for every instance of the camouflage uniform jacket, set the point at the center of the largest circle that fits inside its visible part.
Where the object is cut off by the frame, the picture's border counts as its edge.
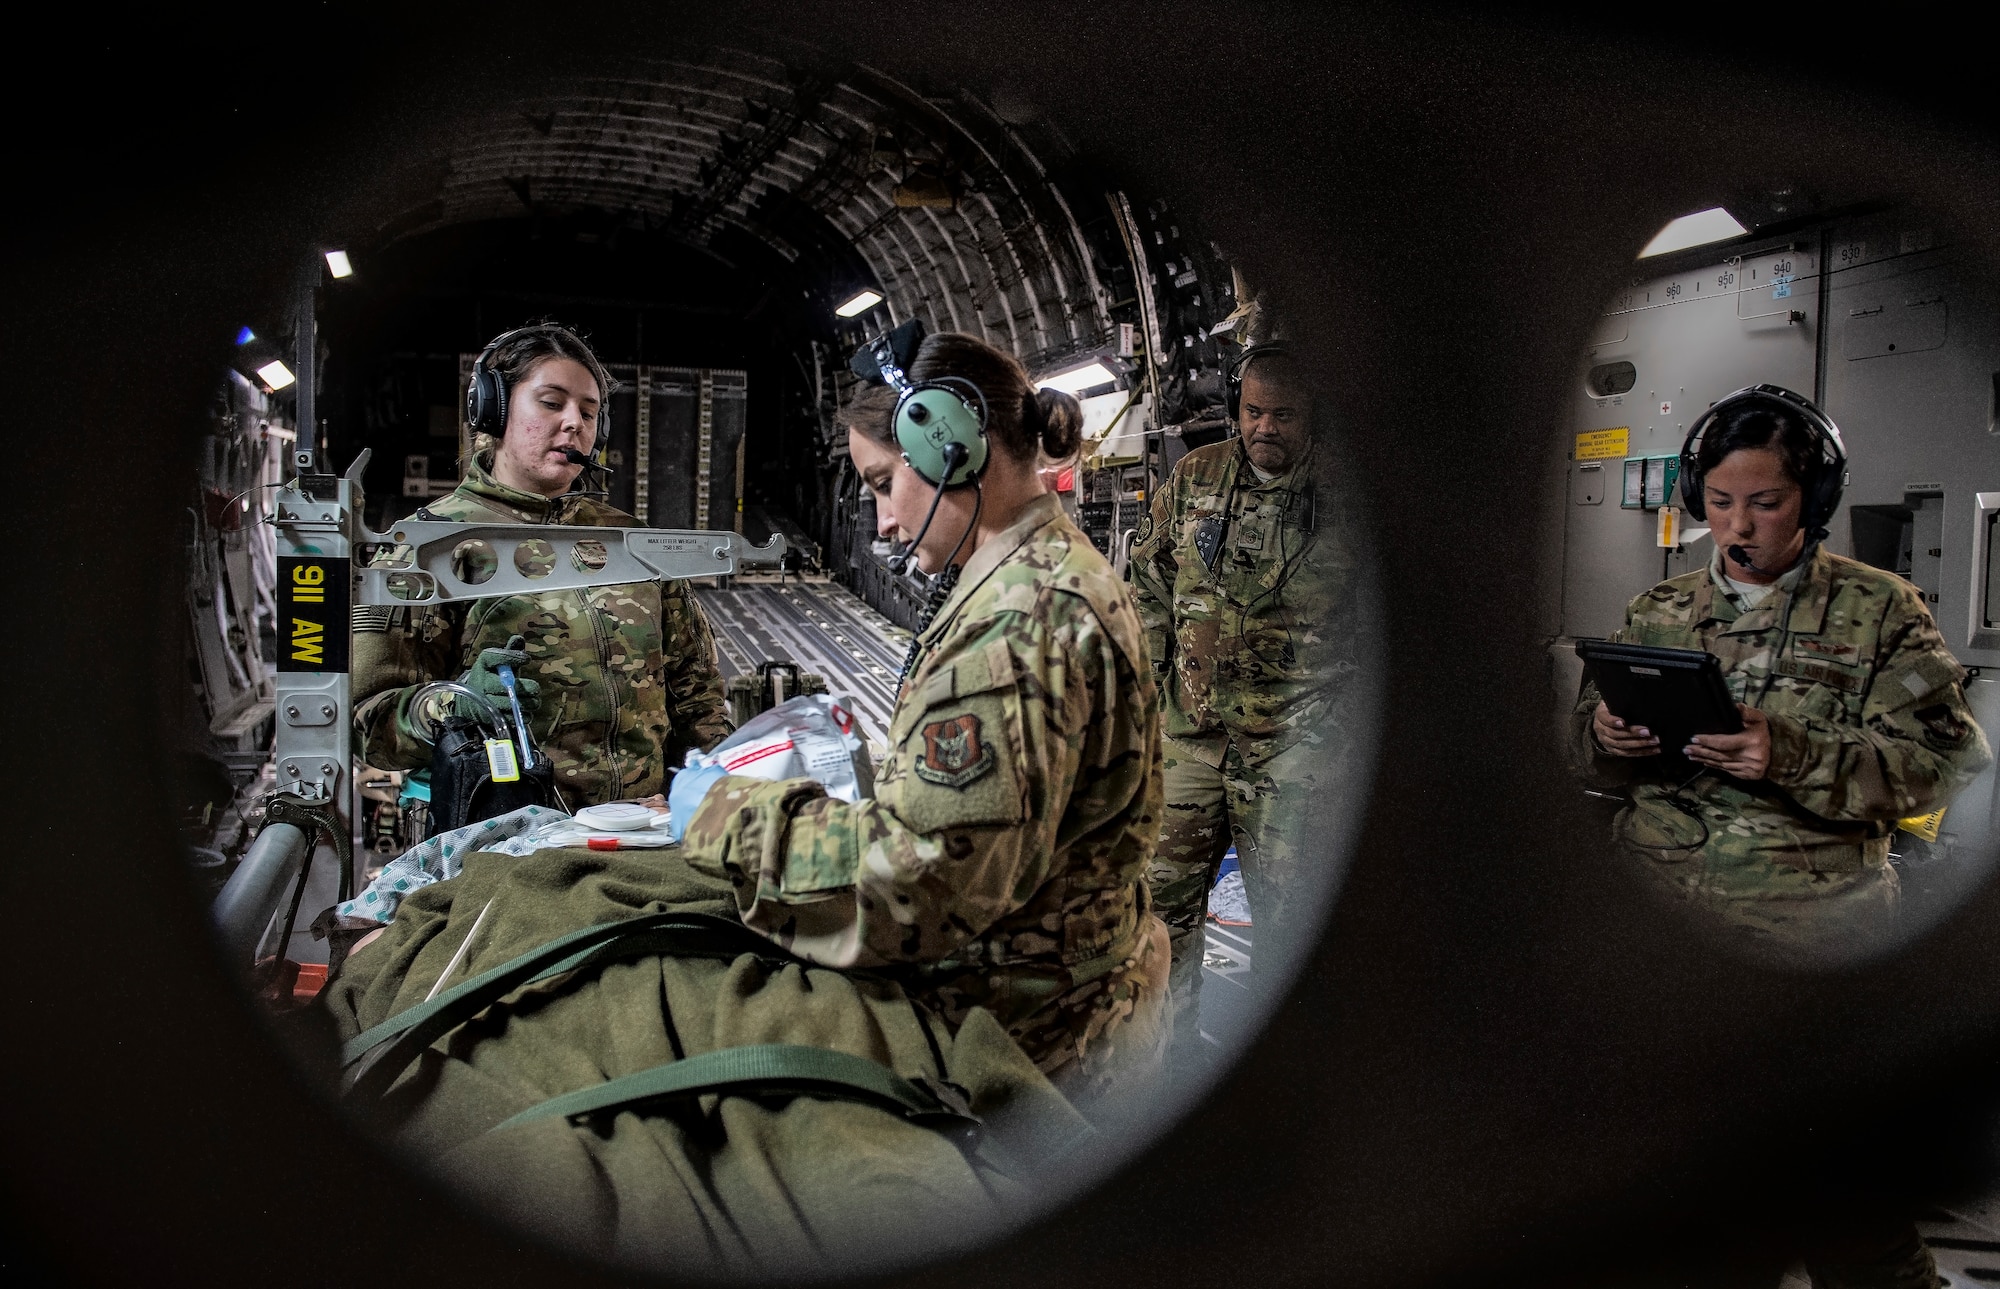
(1868, 725)
(1245, 650)
(1001, 863)
(627, 673)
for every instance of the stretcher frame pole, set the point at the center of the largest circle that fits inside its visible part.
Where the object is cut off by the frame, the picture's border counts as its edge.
(244, 909)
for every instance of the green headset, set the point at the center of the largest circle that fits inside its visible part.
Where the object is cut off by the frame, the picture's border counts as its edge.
(940, 424)
(941, 428)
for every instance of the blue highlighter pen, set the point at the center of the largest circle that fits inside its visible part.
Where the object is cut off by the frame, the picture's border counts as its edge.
(520, 721)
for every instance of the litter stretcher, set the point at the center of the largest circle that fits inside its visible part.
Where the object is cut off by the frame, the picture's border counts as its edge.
(590, 1045)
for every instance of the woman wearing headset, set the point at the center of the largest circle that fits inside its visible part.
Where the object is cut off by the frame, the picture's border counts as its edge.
(616, 681)
(1853, 710)
(1002, 861)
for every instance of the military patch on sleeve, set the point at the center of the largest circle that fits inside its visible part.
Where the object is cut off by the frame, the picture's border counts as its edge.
(954, 752)
(1942, 726)
(1930, 674)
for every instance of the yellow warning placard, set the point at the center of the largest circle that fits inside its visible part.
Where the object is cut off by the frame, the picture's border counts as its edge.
(1602, 445)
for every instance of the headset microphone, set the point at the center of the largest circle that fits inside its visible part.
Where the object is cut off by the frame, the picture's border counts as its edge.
(1742, 557)
(575, 457)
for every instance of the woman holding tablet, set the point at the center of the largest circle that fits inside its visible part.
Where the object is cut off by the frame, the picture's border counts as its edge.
(1853, 711)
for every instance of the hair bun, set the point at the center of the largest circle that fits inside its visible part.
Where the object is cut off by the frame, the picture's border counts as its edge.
(1025, 423)
(1059, 417)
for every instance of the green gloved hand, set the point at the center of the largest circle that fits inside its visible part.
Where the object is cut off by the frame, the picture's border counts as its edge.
(484, 678)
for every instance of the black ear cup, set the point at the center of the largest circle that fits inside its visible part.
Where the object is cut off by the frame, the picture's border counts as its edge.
(1692, 499)
(485, 394)
(1824, 497)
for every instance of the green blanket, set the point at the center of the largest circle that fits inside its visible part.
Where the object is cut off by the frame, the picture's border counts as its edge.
(719, 1184)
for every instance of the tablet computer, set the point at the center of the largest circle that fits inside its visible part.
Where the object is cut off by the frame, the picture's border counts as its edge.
(1675, 693)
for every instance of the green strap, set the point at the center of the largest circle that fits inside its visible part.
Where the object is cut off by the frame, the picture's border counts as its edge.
(377, 1056)
(766, 1068)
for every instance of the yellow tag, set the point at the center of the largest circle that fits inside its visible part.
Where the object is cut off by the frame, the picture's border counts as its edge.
(500, 759)
(1602, 445)
(1670, 527)
(1924, 826)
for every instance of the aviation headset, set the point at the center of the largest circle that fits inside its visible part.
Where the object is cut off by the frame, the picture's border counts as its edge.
(486, 392)
(940, 424)
(1822, 487)
(1232, 379)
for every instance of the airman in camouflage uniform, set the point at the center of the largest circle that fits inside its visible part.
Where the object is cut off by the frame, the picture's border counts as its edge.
(1868, 725)
(627, 673)
(1001, 863)
(1253, 651)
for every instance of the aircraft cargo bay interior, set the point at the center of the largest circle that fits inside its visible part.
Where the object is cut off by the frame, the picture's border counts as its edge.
(794, 658)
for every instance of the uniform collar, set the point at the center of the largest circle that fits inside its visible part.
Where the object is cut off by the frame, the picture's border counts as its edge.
(1283, 480)
(1798, 598)
(1812, 593)
(480, 484)
(1035, 516)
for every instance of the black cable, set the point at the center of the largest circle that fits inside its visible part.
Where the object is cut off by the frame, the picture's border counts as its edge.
(1692, 809)
(1287, 565)
(1784, 640)
(1675, 798)
(942, 583)
(901, 561)
(978, 504)
(941, 588)
(298, 894)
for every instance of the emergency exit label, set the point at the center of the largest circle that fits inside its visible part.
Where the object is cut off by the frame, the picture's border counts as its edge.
(313, 613)
(1602, 445)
